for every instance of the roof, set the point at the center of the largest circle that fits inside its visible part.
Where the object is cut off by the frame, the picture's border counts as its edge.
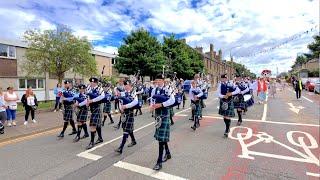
(20, 43)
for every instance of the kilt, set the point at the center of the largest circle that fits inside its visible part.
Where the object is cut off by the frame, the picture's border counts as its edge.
(68, 113)
(171, 112)
(162, 134)
(82, 115)
(107, 107)
(95, 118)
(241, 104)
(230, 111)
(197, 109)
(250, 102)
(128, 124)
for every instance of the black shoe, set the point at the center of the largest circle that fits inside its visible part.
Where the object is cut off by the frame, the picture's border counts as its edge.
(178, 108)
(172, 123)
(76, 139)
(110, 122)
(72, 133)
(157, 167)
(193, 127)
(61, 135)
(225, 134)
(100, 140)
(166, 157)
(135, 114)
(132, 144)
(91, 145)
(140, 114)
(119, 150)
(191, 119)
(85, 136)
(198, 125)
(239, 123)
(102, 123)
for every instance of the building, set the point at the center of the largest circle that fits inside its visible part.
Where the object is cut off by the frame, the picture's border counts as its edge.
(12, 57)
(214, 64)
(303, 70)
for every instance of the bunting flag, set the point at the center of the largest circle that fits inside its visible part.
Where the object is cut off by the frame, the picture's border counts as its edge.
(285, 42)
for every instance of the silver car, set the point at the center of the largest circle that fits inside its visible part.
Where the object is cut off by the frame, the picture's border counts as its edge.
(317, 86)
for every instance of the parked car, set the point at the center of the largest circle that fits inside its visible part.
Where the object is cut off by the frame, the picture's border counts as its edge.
(317, 87)
(309, 86)
(187, 86)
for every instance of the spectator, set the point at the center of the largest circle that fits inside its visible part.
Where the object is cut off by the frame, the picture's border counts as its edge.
(3, 107)
(11, 99)
(58, 92)
(30, 104)
(297, 85)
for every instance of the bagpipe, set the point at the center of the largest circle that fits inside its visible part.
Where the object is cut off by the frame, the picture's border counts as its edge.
(174, 86)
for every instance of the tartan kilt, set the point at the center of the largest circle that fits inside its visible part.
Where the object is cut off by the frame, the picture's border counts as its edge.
(128, 124)
(95, 118)
(162, 134)
(107, 107)
(68, 112)
(197, 110)
(250, 102)
(241, 104)
(229, 112)
(82, 115)
(171, 112)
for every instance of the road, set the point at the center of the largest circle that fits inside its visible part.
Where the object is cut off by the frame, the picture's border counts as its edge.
(278, 140)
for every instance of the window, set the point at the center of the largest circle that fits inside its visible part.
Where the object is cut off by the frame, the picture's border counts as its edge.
(113, 61)
(22, 83)
(33, 83)
(7, 51)
(40, 83)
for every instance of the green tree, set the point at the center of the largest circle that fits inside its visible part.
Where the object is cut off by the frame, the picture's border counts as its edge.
(241, 70)
(314, 47)
(58, 51)
(181, 58)
(142, 52)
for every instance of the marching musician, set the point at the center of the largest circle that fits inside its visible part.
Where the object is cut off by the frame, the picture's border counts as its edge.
(239, 103)
(194, 94)
(96, 95)
(170, 89)
(127, 109)
(162, 133)
(139, 93)
(225, 91)
(107, 103)
(82, 115)
(67, 100)
(118, 91)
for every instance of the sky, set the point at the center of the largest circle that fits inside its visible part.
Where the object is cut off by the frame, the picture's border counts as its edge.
(237, 27)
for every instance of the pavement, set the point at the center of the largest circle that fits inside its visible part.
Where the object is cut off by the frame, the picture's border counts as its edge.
(277, 140)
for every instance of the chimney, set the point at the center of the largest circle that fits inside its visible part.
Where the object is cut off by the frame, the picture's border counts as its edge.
(220, 54)
(211, 52)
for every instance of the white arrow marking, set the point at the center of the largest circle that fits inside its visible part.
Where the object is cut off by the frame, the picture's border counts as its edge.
(294, 108)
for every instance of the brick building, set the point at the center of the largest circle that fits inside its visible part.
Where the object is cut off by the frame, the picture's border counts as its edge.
(12, 56)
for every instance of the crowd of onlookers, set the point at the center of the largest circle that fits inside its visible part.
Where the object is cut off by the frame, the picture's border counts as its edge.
(9, 106)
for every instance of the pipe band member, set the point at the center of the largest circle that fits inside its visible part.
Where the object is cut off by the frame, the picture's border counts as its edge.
(82, 116)
(239, 103)
(225, 92)
(118, 91)
(162, 134)
(130, 100)
(195, 93)
(107, 103)
(139, 93)
(67, 100)
(96, 95)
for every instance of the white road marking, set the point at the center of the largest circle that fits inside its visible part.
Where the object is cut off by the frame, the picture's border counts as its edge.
(265, 109)
(146, 171)
(270, 122)
(183, 115)
(295, 109)
(88, 155)
(313, 174)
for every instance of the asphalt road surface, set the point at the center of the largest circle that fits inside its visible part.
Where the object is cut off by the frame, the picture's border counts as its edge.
(277, 140)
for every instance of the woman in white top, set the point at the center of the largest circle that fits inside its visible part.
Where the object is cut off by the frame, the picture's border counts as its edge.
(30, 103)
(11, 99)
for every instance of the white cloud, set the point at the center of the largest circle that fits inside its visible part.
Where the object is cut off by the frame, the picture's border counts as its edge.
(107, 49)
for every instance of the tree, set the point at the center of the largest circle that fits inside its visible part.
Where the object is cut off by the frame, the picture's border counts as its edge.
(181, 58)
(58, 51)
(241, 70)
(314, 47)
(142, 52)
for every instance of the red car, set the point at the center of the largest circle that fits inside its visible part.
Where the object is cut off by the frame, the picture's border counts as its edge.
(309, 86)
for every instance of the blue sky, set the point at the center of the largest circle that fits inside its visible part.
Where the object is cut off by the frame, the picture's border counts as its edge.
(248, 25)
